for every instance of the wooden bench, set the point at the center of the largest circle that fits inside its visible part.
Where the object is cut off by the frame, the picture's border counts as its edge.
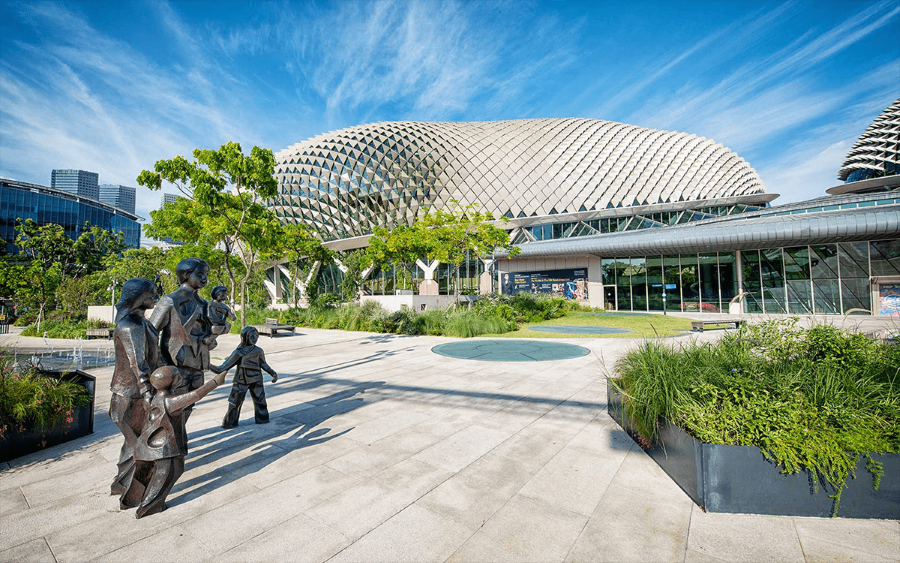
(698, 325)
(272, 326)
(101, 332)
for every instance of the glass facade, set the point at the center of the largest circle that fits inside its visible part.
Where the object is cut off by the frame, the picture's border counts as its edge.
(386, 281)
(47, 207)
(821, 279)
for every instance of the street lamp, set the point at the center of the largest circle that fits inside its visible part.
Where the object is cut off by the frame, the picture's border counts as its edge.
(112, 288)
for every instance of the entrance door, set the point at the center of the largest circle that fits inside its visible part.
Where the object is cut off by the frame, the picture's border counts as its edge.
(609, 297)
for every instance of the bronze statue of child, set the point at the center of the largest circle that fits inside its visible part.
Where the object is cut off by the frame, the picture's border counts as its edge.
(219, 313)
(250, 361)
(162, 445)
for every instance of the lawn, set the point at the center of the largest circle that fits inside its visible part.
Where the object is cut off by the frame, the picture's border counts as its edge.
(644, 326)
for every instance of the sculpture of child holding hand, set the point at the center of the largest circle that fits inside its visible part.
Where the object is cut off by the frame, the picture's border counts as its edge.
(250, 362)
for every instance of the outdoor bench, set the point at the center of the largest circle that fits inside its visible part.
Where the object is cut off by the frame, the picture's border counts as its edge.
(101, 332)
(698, 325)
(272, 326)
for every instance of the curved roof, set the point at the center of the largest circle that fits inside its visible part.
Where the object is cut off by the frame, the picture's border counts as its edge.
(868, 223)
(346, 182)
(877, 151)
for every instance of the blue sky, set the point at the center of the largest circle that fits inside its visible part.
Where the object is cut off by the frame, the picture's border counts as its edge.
(112, 87)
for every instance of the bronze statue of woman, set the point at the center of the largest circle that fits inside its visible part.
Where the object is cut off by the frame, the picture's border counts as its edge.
(137, 355)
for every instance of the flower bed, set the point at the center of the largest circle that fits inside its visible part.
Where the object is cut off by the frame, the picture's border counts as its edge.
(772, 419)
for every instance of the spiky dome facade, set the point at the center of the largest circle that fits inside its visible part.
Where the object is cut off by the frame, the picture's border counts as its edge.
(346, 182)
(877, 151)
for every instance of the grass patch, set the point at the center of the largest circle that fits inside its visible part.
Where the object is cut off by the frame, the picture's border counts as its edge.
(649, 326)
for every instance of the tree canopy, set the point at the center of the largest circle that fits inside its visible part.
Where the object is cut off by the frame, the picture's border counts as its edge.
(226, 186)
(446, 235)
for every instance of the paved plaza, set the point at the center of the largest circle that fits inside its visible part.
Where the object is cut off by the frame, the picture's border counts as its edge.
(381, 450)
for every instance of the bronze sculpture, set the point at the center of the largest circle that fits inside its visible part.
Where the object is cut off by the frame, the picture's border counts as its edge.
(159, 375)
(219, 313)
(250, 362)
(137, 355)
(183, 326)
(162, 445)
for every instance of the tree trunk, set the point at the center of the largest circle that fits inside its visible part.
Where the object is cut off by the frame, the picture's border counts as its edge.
(244, 299)
(230, 270)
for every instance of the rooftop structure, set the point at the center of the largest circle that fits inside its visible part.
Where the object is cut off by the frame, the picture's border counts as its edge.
(385, 174)
(77, 182)
(122, 197)
(877, 151)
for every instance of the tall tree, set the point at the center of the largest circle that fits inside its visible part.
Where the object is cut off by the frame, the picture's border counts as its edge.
(54, 257)
(186, 220)
(400, 247)
(230, 183)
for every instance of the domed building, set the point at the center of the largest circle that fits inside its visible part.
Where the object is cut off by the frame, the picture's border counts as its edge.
(347, 182)
(877, 152)
(623, 217)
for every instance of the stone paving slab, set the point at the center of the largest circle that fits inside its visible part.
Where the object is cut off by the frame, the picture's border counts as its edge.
(380, 450)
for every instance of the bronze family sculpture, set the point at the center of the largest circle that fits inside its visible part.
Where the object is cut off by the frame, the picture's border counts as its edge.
(159, 375)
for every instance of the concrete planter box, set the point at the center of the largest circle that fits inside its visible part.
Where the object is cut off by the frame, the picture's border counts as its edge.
(739, 479)
(16, 443)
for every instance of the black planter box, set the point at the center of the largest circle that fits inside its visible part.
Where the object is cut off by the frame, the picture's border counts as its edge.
(739, 479)
(16, 443)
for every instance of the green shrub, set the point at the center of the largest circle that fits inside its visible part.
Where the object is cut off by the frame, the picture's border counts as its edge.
(371, 317)
(465, 323)
(30, 399)
(812, 399)
(64, 328)
(534, 308)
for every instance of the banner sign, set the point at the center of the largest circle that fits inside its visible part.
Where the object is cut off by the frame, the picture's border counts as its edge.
(890, 300)
(571, 284)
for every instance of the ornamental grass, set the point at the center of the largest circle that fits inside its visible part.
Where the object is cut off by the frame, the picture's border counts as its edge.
(811, 399)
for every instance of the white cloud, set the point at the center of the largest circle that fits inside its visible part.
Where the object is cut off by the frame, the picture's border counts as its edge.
(766, 97)
(89, 101)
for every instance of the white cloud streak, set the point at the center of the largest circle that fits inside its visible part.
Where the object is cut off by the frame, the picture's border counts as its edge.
(92, 102)
(764, 98)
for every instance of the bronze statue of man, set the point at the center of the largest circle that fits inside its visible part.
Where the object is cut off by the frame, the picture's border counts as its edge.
(183, 326)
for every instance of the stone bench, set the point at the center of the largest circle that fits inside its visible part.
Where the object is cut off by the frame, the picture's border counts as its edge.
(101, 332)
(272, 326)
(698, 325)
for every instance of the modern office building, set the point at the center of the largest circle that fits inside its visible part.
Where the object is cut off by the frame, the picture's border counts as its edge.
(625, 217)
(76, 182)
(122, 197)
(167, 198)
(20, 200)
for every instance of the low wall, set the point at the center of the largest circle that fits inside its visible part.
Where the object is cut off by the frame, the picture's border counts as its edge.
(415, 302)
(101, 313)
(107, 313)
